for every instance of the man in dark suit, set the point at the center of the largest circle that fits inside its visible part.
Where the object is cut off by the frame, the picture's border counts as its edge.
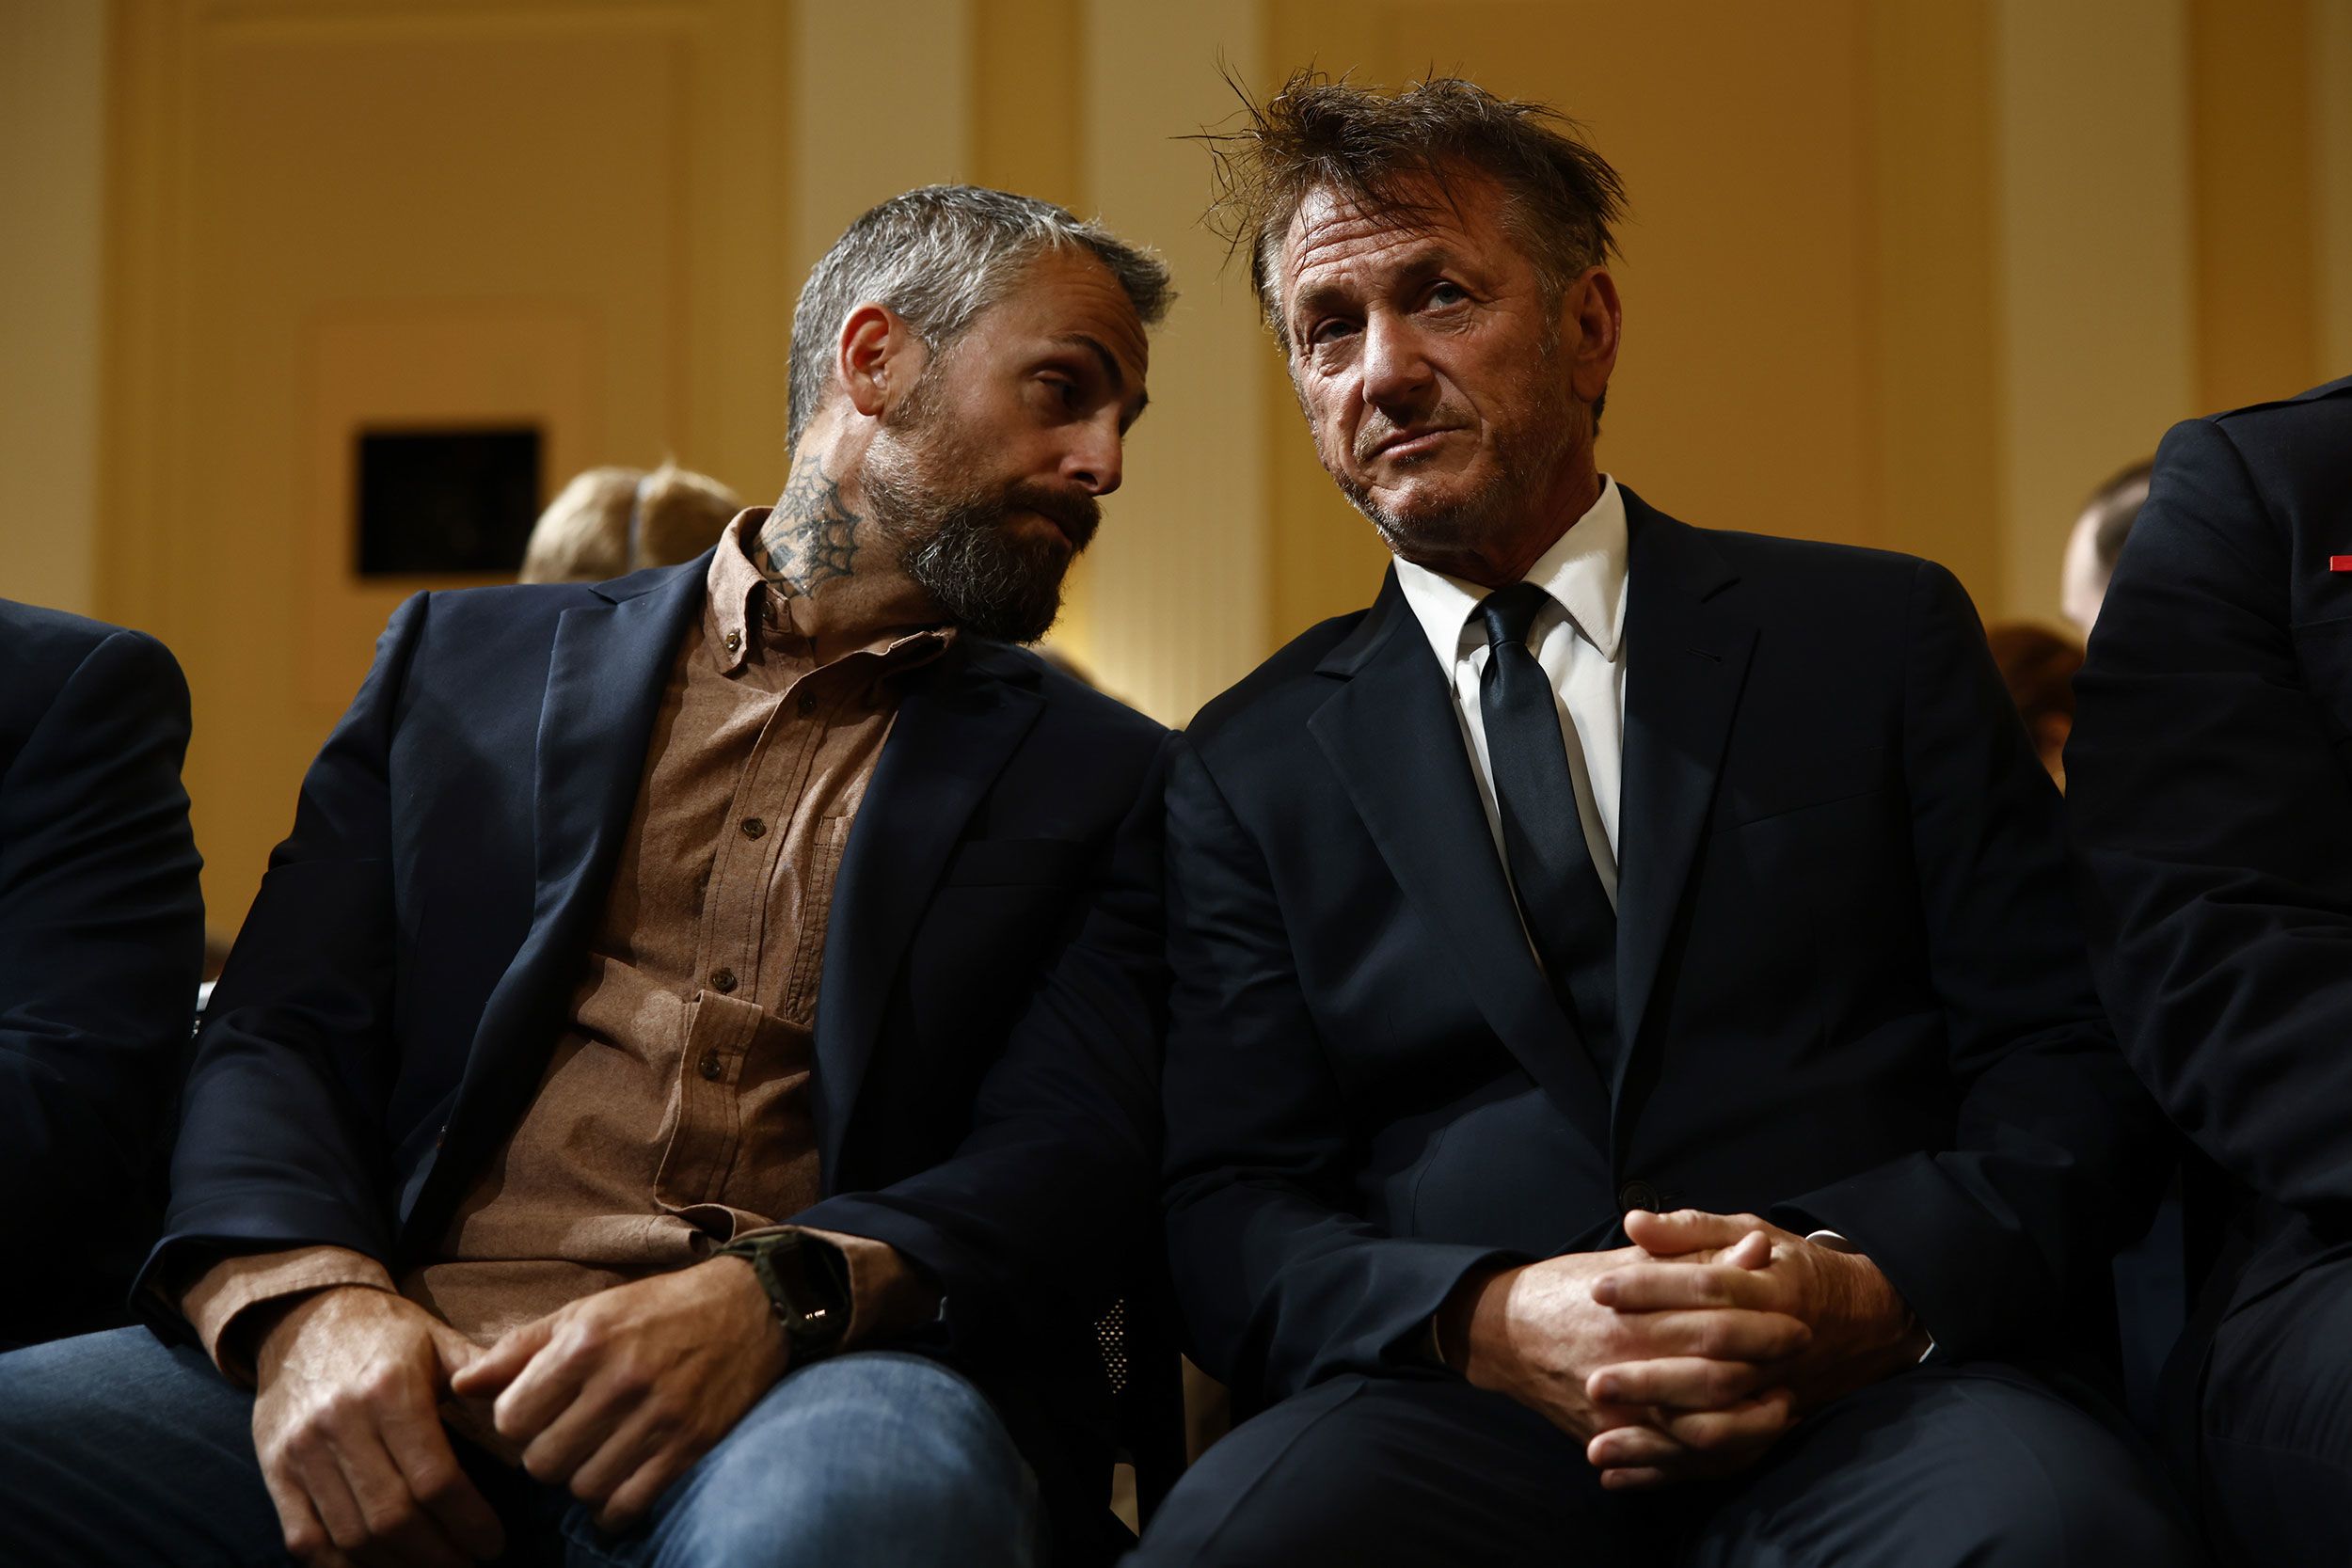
(102, 938)
(1708, 1202)
(699, 1039)
(2211, 792)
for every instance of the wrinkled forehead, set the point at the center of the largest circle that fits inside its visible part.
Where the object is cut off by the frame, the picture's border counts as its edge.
(1069, 295)
(1335, 230)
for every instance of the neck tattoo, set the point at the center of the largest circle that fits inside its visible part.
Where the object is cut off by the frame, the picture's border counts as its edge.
(810, 539)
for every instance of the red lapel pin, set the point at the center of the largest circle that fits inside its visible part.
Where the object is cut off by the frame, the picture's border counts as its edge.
(2340, 563)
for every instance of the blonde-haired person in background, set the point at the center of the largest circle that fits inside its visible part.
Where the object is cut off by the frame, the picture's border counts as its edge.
(609, 522)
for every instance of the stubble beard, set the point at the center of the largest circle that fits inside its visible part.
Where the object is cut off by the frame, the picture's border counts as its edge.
(1528, 452)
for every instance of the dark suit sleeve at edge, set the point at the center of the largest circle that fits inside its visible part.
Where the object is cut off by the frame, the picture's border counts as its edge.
(2213, 825)
(104, 939)
(1281, 1284)
(2058, 1153)
(281, 1141)
(1037, 1217)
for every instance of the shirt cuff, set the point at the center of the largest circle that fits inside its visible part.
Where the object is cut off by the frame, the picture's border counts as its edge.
(225, 1293)
(1837, 1242)
(888, 1295)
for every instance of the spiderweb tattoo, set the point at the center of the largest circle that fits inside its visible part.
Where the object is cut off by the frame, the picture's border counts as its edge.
(811, 537)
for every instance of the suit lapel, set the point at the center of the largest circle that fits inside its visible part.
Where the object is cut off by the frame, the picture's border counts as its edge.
(1391, 734)
(610, 664)
(1688, 648)
(955, 730)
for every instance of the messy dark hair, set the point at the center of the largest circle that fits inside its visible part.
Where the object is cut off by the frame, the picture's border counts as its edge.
(1561, 198)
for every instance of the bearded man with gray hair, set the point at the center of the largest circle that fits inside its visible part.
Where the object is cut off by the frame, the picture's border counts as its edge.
(682, 1085)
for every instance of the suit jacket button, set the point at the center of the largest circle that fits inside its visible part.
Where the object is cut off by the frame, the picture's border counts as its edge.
(1638, 1194)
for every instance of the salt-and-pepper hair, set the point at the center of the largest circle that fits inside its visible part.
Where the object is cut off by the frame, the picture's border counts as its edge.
(936, 258)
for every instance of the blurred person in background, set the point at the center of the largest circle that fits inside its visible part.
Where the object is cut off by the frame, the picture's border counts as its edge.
(609, 522)
(698, 1039)
(1635, 1088)
(2097, 540)
(101, 941)
(2211, 811)
(2038, 666)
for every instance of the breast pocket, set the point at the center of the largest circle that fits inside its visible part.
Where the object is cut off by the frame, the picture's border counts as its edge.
(1012, 862)
(1801, 781)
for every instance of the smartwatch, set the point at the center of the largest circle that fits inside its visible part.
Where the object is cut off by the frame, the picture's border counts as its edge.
(807, 1281)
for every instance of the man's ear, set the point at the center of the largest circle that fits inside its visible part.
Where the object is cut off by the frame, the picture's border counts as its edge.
(1590, 321)
(879, 358)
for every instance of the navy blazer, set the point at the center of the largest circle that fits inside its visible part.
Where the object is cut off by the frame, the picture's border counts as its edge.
(1848, 966)
(988, 1022)
(2210, 786)
(102, 942)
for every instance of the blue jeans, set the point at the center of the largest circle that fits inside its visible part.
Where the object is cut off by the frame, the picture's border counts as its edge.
(115, 1449)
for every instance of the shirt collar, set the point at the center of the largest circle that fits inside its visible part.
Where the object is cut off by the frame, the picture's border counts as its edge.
(1583, 571)
(741, 603)
(735, 587)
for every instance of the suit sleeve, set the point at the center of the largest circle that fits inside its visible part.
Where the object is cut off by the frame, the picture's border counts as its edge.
(2213, 827)
(2057, 1155)
(1282, 1285)
(281, 1141)
(102, 944)
(1038, 1215)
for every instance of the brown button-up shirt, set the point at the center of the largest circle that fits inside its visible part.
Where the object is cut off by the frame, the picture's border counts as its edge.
(674, 1113)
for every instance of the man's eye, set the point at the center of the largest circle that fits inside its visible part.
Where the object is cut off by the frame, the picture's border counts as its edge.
(1447, 293)
(1329, 330)
(1064, 389)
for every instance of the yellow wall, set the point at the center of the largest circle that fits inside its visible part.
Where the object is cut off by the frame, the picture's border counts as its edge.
(52, 57)
(1911, 273)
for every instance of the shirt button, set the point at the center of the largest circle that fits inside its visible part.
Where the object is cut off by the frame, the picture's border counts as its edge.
(1638, 1194)
(808, 704)
(735, 641)
(709, 1066)
(754, 827)
(723, 980)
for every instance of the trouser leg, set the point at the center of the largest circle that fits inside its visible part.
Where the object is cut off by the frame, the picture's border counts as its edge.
(117, 1449)
(1940, 1467)
(2275, 1445)
(875, 1459)
(1378, 1471)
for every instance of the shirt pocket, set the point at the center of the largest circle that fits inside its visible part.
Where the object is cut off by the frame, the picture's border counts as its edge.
(808, 954)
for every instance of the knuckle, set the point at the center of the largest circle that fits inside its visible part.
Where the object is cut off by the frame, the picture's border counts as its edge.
(388, 1517)
(437, 1482)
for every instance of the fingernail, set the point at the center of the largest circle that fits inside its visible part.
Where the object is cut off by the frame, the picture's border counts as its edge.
(1610, 1387)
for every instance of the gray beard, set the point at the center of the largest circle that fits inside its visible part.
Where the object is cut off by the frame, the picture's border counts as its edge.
(1527, 459)
(958, 549)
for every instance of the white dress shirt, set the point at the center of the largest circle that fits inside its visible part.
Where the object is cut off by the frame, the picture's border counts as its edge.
(1579, 639)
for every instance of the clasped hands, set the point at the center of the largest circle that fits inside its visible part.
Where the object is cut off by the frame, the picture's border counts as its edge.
(611, 1397)
(1687, 1354)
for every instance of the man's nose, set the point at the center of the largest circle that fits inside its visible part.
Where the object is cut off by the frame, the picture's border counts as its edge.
(1093, 460)
(1397, 372)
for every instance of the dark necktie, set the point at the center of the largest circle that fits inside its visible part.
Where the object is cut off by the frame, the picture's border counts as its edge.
(1566, 909)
